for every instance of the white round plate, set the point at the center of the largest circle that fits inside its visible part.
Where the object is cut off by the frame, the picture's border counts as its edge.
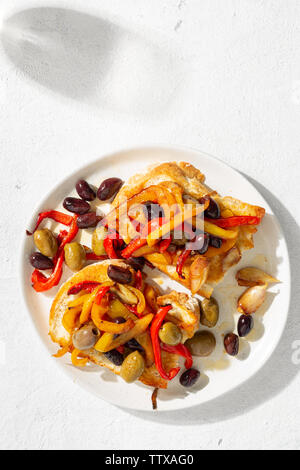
(219, 373)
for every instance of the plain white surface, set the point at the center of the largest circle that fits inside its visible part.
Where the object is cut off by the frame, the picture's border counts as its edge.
(219, 75)
(220, 373)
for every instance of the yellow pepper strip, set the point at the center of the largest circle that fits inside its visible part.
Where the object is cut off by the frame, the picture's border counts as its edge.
(151, 296)
(87, 306)
(140, 326)
(218, 231)
(76, 361)
(115, 328)
(144, 250)
(70, 318)
(160, 258)
(141, 305)
(98, 311)
(104, 342)
(79, 301)
(226, 213)
(145, 340)
(62, 351)
(226, 246)
(117, 309)
(161, 231)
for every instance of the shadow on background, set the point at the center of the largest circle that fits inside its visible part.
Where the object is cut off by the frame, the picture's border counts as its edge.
(90, 59)
(278, 372)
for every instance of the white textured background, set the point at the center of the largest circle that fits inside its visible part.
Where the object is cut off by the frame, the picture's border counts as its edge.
(219, 75)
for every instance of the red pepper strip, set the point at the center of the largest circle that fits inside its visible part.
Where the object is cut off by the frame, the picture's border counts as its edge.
(108, 244)
(90, 256)
(180, 262)
(132, 309)
(235, 221)
(121, 349)
(133, 246)
(100, 294)
(138, 280)
(86, 285)
(164, 244)
(154, 329)
(142, 241)
(60, 217)
(62, 234)
(40, 282)
(181, 350)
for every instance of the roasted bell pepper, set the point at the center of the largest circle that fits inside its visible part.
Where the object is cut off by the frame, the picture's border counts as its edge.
(91, 256)
(57, 216)
(86, 285)
(138, 280)
(101, 293)
(235, 221)
(133, 309)
(108, 244)
(40, 282)
(133, 246)
(217, 231)
(181, 350)
(138, 242)
(180, 262)
(112, 242)
(154, 329)
(164, 244)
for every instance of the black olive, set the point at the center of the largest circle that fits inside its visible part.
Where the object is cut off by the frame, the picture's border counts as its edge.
(119, 274)
(85, 191)
(189, 377)
(133, 344)
(137, 263)
(231, 343)
(245, 325)
(39, 261)
(115, 357)
(90, 219)
(215, 241)
(213, 210)
(108, 188)
(73, 204)
(153, 210)
(201, 240)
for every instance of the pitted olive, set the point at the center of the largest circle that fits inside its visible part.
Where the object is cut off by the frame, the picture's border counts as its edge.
(74, 256)
(202, 344)
(45, 242)
(209, 312)
(170, 334)
(86, 337)
(98, 237)
(132, 367)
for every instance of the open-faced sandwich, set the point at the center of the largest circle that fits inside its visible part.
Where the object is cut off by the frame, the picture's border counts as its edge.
(107, 314)
(185, 229)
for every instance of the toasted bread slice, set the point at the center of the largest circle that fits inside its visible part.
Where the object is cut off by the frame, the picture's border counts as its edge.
(191, 182)
(58, 334)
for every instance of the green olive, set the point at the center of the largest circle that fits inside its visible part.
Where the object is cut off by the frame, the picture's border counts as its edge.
(132, 367)
(202, 344)
(170, 334)
(45, 242)
(209, 312)
(75, 256)
(86, 337)
(98, 237)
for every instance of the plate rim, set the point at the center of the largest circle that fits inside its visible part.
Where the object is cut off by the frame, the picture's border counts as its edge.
(154, 147)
